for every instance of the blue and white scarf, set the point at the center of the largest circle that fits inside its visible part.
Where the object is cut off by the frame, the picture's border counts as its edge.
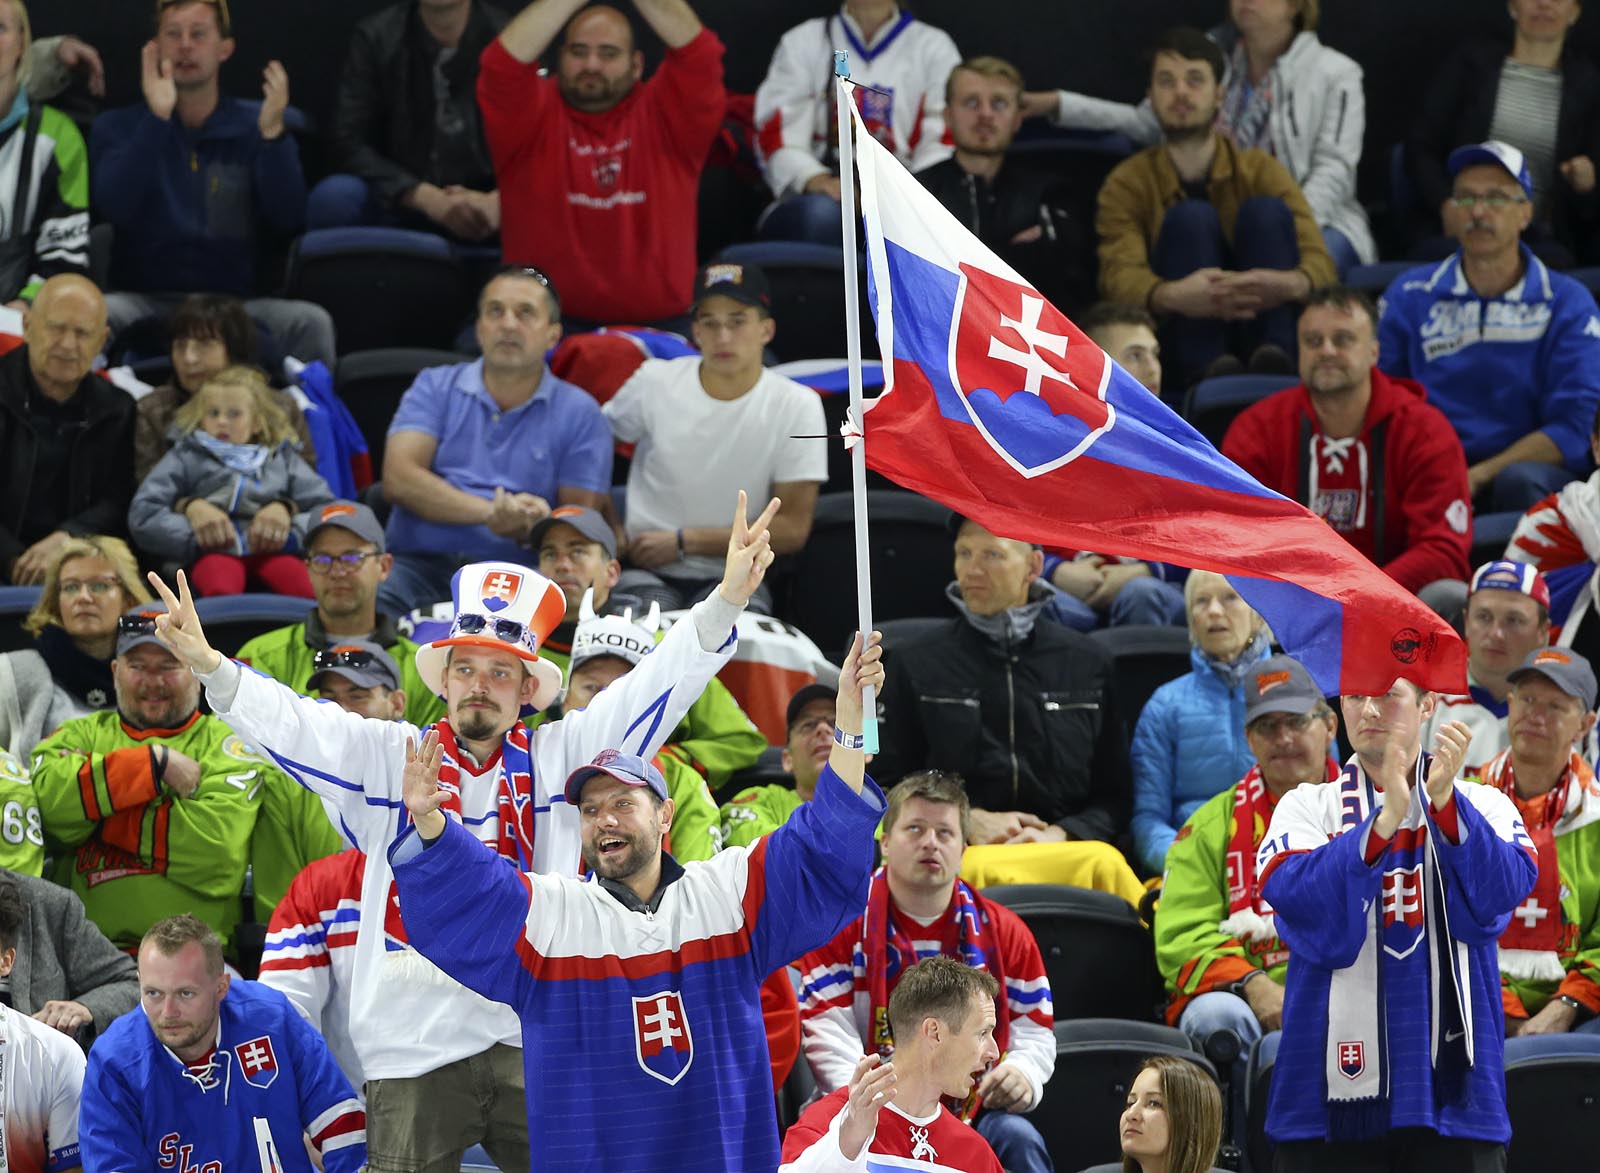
(245, 459)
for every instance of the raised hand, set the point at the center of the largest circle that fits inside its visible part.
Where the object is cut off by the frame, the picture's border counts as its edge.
(179, 629)
(155, 78)
(862, 669)
(871, 1087)
(274, 99)
(1395, 778)
(82, 57)
(749, 552)
(420, 785)
(1449, 752)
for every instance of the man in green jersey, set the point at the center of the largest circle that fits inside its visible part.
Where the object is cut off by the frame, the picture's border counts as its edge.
(760, 810)
(345, 554)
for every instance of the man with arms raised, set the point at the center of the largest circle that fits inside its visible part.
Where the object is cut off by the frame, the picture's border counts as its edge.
(505, 783)
(642, 985)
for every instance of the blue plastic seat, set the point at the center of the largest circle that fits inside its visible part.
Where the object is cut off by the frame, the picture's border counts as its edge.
(384, 286)
(1212, 404)
(231, 621)
(807, 283)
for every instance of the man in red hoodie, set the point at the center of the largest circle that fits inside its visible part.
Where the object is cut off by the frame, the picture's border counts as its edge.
(1361, 450)
(599, 173)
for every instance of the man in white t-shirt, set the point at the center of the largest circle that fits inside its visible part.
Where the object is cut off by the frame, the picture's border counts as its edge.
(706, 427)
(41, 1073)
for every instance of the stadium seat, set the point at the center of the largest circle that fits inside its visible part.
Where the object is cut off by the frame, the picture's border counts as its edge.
(1258, 1083)
(477, 1160)
(1553, 1097)
(807, 297)
(1096, 1062)
(1374, 279)
(1143, 658)
(1100, 959)
(371, 382)
(1212, 403)
(1490, 533)
(233, 620)
(766, 770)
(15, 603)
(911, 563)
(382, 285)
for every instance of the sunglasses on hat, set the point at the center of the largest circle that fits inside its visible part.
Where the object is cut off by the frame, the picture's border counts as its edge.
(358, 659)
(508, 630)
(136, 624)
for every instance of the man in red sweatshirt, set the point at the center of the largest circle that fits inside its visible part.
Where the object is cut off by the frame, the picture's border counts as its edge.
(598, 171)
(1361, 450)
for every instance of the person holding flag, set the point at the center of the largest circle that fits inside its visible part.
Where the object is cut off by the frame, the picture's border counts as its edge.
(502, 780)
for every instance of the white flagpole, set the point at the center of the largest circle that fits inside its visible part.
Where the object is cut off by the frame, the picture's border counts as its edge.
(852, 333)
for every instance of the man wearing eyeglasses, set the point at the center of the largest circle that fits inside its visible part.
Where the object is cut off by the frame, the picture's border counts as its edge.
(443, 1066)
(345, 553)
(1508, 350)
(1215, 942)
(1507, 617)
(479, 452)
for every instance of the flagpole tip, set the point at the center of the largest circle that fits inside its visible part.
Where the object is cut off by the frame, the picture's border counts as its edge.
(841, 63)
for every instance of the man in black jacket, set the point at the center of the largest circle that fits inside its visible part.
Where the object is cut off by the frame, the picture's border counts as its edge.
(66, 435)
(1022, 708)
(406, 131)
(1015, 209)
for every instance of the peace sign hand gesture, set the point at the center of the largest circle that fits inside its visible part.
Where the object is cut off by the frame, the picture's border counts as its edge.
(179, 629)
(749, 552)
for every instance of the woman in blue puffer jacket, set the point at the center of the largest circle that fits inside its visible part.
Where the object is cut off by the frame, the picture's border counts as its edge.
(1189, 744)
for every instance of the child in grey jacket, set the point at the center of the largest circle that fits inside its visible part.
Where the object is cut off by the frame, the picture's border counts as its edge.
(224, 499)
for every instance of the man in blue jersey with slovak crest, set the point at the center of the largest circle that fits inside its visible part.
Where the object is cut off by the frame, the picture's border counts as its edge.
(642, 984)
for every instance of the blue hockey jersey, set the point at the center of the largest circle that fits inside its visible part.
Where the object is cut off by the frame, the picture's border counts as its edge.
(658, 1013)
(144, 1111)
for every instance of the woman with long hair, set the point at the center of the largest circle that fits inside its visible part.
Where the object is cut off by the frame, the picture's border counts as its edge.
(1173, 1121)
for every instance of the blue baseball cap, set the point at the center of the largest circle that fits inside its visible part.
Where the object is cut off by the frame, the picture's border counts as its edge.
(1497, 153)
(624, 767)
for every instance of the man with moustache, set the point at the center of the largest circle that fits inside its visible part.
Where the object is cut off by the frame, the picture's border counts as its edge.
(454, 1077)
(919, 907)
(1216, 240)
(479, 452)
(1390, 886)
(153, 803)
(1365, 452)
(641, 986)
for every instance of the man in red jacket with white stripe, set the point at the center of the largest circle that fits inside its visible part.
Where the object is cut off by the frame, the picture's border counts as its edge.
(1363, 451)
(599, 173)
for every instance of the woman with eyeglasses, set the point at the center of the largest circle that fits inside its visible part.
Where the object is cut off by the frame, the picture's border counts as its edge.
(1189, 743)
(1538, 97)
(67, 673)
(1173, 1119)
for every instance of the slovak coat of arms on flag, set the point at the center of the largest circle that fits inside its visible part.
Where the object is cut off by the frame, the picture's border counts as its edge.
(257, 1063)
(662, 1040)
(499, 590)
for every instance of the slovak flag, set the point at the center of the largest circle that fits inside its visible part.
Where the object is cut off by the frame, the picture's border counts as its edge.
(999, 407)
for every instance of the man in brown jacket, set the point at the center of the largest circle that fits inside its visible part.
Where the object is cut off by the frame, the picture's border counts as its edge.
(1215, 240)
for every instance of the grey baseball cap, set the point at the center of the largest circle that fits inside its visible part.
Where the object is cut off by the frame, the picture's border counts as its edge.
(360, 661)
(137, 625)
(586, 521)
(1279, 684)
(1562, 667)
(347, 515)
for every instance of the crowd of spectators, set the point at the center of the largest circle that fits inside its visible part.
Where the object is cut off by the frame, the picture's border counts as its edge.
(140, 821)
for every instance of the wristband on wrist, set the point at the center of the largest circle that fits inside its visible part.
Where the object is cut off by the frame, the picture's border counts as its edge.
(1583, 1012)
(1238, 986)
(680, 543)
(849, 740)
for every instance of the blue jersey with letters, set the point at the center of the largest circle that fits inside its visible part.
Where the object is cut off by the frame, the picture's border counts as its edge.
(271, 1078)
(660, 1011)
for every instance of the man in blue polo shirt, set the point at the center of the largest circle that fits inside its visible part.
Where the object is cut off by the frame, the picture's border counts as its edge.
(479, 453)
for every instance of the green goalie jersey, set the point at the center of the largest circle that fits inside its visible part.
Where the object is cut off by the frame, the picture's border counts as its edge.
(21, 836)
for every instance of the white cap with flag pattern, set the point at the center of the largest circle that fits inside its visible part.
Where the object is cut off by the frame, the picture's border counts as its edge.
(505, 607)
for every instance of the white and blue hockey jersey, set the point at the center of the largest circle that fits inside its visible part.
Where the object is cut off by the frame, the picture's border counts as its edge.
(271, 1079)
(660, 1011)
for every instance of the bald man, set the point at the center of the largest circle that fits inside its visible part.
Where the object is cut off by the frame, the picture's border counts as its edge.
(599, 171)
(66, 436)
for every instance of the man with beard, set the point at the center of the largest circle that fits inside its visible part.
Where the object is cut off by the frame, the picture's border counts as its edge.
(1365, 452)
(454, 1076)
(344, 552)
(1215, 239)
(919, 907)
(152, 804)
(1507, 349)
(642, 985)
(599, 172)
(478, 453)
(214, 1074)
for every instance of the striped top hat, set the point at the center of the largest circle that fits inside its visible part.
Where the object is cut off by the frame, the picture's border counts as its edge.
(508, 608)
